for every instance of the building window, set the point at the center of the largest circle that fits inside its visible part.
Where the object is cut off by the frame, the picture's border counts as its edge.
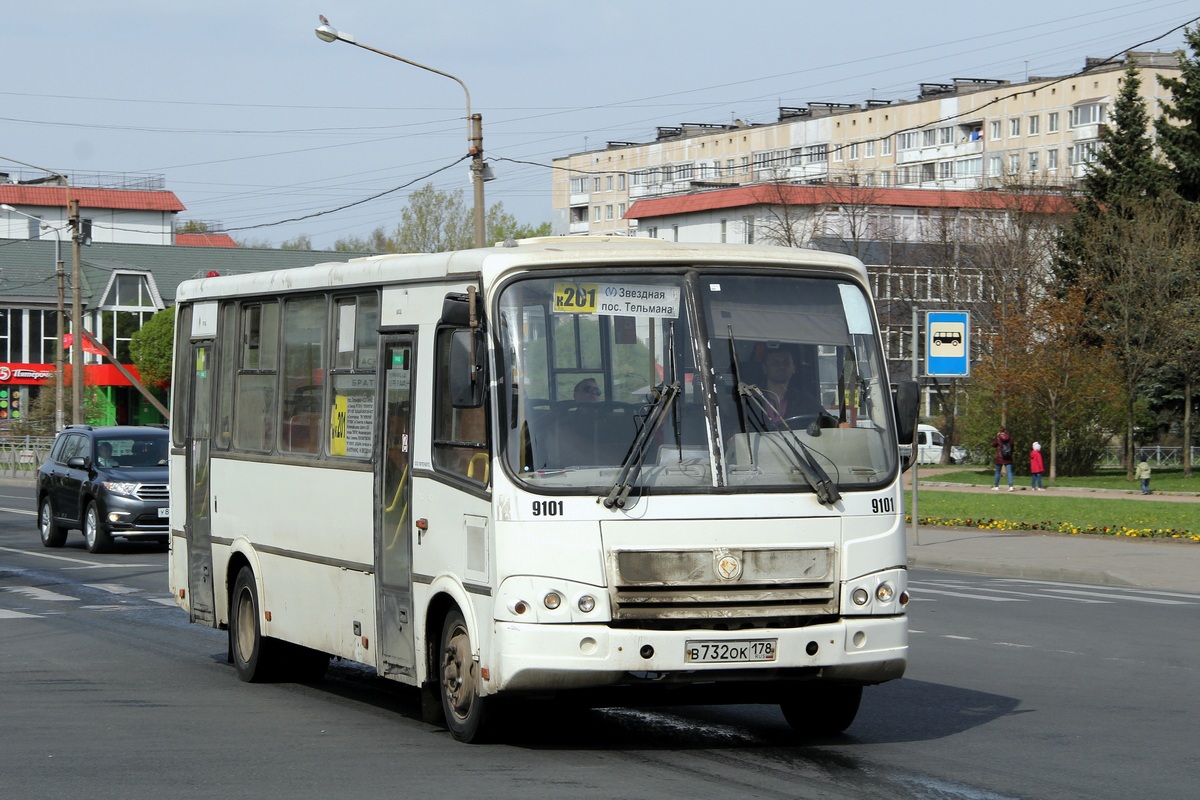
(748, 230)
(621, 182)
(595, 184)
(744, 165)
(724, 227)
(928, 138)
(945, 170)
(854, 150)
(1033, 161)
(621, 210)
(1083, 152)
(887, 146)
(994, 168)
(869, 148)
(907, 140)
(969, 167)
(608, 211)
(1034, 125)
(994, 127)
(946, 135)
(1014, 163)
(1087, 114)
(595, 213)
(838, 150)
(816, 154)
(652, 232)
(1052, 159)
(1052, 122)
(578, 185)
(1014, 126)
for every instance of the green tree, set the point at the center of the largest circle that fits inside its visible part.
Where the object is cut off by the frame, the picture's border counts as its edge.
(301, 242)
(1179, 126)
(1125, 168)
(151, 346)
(434, 221)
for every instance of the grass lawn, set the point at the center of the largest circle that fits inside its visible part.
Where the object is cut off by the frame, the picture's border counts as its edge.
(1125, 516)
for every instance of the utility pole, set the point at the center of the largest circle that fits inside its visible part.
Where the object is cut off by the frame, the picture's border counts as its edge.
(76, 313)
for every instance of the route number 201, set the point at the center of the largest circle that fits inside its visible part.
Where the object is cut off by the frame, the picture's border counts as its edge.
(883, 505)
(547, 508)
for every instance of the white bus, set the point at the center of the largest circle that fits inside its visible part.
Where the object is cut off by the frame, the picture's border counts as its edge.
(605, 466)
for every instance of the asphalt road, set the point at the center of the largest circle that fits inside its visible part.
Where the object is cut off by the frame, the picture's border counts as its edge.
(1016, 688)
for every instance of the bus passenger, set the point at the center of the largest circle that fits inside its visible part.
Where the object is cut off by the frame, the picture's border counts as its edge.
(587, 391)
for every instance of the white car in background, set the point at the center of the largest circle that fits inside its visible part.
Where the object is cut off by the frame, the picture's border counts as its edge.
(930, 442)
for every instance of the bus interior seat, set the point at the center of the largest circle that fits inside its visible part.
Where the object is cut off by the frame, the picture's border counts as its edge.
(592, 434)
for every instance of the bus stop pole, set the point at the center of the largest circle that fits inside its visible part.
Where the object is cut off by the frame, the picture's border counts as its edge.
(915, 448)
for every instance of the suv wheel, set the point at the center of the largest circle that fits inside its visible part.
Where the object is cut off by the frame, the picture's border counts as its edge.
(52, 535)
(97, 539)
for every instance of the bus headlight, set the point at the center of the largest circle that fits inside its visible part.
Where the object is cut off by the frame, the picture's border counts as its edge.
(860, 596)
(587, 603)
(552, 600)
(539, 600)
(884, 593)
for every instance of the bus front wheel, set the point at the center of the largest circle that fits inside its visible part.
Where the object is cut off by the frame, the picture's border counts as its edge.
(465, 710)
(254, 655)
(822, 709)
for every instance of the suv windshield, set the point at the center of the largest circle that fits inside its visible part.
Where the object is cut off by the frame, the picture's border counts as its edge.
(131, 452)
(774, 379)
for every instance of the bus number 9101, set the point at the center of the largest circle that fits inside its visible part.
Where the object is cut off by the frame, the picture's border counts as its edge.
(547, 508)
(883, 505)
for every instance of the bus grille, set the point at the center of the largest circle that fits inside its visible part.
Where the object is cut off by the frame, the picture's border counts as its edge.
(722, 583)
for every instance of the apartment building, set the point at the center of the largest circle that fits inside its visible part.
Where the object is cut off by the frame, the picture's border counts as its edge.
(970, 134)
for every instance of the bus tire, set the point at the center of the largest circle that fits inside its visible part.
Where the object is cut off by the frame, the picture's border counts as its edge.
(94, 535)
(465, 710)
(255, 657)
(822, 709)
(52, 534)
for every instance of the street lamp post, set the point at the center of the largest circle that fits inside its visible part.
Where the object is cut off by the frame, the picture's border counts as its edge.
(58, 339)
(479, 169)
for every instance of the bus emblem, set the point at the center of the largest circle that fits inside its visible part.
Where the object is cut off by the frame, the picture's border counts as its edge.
(729, 567)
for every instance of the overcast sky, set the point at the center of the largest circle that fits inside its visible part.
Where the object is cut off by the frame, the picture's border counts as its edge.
(251, 120)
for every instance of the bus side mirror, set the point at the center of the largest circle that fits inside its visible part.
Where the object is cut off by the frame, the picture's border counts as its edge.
(466, 368)
(906, 402)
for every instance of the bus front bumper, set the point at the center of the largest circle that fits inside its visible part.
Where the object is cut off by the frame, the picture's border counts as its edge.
(550, 657)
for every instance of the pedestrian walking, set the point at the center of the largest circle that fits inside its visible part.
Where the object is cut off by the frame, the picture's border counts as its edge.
(1143, 475)
(1004, 457)
(1036, 467)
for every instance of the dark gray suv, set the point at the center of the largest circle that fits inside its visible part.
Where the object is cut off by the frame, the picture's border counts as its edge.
(107, 482)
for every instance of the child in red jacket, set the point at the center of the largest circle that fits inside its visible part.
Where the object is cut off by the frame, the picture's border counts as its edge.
(1036, 467)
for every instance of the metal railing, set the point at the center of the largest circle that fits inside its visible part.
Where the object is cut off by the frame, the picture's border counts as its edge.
(1156, 456)
(20, 456)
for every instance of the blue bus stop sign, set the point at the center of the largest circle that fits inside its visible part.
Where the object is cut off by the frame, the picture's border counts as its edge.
(947, 344)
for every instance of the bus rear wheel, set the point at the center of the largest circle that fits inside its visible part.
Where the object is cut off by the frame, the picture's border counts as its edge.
(821, 709)
(254, 656)
(465, 710)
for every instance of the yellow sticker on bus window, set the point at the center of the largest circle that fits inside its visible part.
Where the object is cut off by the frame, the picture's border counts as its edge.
(337, 442)
(575, 298)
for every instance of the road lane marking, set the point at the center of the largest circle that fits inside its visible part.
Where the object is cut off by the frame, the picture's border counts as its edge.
(1129, 597)
(19, 511)
(6, 614)
(37, 593)
(1021, 594)
(112, 588)
(1123, 590)
(84, 564)
(974, 596)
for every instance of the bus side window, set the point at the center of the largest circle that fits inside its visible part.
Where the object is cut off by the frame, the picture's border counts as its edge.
(460, 436)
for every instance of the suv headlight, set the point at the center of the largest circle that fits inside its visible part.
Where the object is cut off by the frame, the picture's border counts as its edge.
(121, 487)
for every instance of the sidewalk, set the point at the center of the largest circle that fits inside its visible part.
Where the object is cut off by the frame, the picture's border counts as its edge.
(1159, 564)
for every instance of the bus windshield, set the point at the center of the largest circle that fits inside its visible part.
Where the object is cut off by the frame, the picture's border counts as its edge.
(763, 381)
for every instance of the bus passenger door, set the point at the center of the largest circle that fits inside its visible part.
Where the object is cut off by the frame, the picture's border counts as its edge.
(393, 540)
(199, 527)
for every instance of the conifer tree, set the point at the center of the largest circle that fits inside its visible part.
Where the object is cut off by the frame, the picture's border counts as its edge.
(1179, 126)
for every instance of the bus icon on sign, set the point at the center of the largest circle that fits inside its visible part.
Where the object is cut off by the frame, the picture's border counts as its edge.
(952, 338)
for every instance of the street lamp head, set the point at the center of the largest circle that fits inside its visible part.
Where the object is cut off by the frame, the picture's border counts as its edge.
(7, 207)
(327, 33)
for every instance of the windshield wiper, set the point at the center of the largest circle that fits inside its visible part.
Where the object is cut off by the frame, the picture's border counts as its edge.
(817, 477)
(631, 467)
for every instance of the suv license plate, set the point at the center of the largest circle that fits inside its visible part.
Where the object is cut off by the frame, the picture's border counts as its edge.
(743, 650)
(164, 513)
